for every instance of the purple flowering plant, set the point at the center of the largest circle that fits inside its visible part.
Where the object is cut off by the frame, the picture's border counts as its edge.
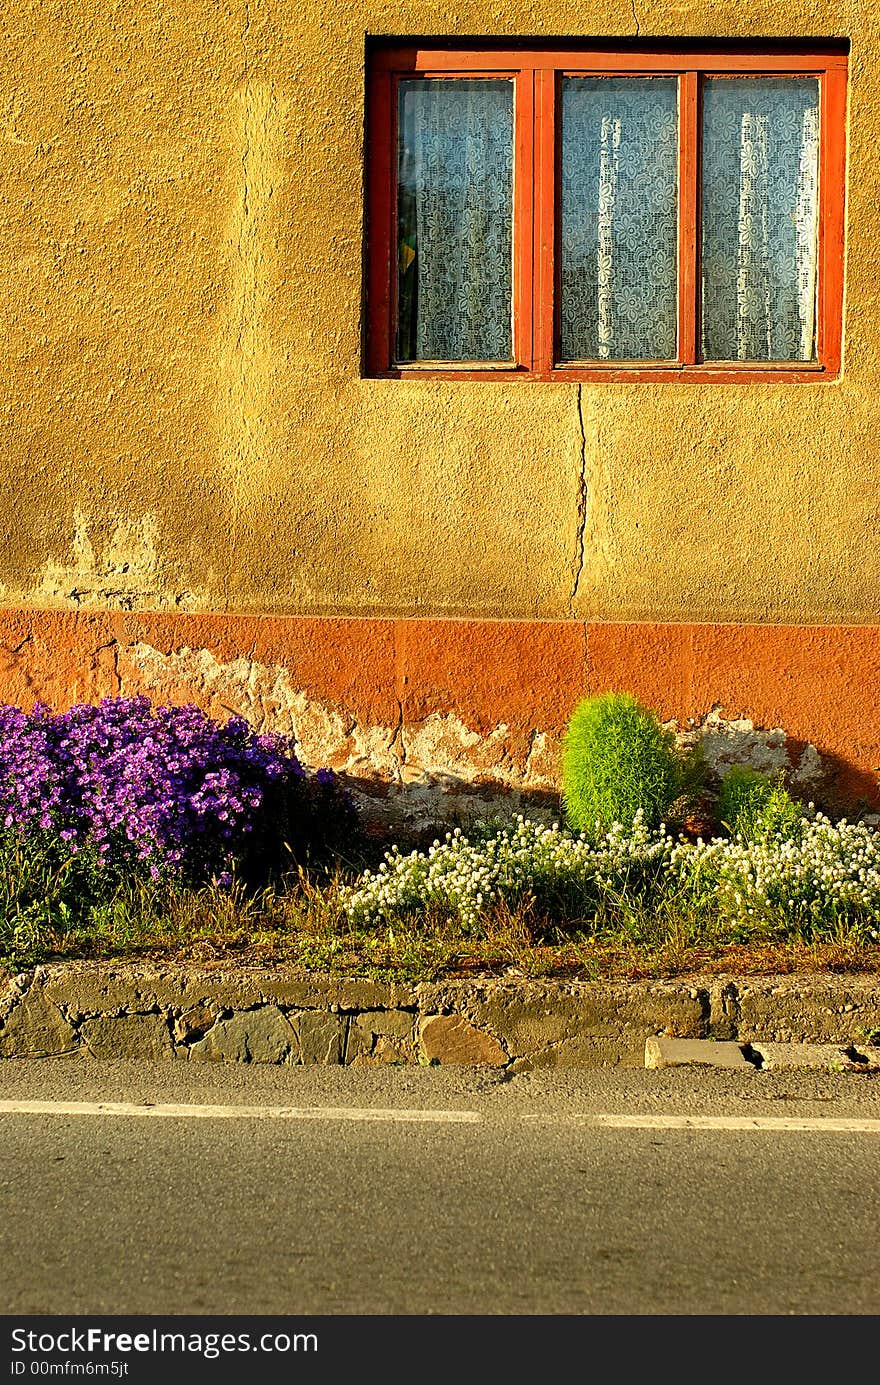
(164, 791)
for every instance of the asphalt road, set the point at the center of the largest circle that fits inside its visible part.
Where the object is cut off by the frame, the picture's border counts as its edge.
(436, 1192)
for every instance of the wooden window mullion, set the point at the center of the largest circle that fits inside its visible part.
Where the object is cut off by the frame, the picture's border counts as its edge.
(524, 219)
(688, 226)
(545, 219)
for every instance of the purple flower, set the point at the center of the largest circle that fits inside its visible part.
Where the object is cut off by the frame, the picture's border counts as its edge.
(166, 786)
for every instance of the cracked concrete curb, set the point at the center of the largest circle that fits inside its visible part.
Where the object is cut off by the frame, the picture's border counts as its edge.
(176, 1012)
(662, 1052)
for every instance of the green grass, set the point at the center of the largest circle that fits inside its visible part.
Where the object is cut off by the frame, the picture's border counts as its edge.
(300, 924)
(54, 910)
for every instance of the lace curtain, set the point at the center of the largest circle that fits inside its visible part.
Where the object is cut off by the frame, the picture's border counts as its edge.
(455, 213)
(619, 218)
(760, 206)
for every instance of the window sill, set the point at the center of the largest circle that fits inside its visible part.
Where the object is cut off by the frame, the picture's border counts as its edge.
(717, 373)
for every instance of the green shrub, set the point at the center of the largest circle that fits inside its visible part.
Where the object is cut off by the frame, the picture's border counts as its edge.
(618, 759)
(756, 806)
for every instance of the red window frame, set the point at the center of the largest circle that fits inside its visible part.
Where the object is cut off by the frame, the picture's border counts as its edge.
(536, 73)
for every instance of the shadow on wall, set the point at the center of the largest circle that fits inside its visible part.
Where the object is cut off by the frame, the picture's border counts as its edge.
(834, 785)
(416, 812)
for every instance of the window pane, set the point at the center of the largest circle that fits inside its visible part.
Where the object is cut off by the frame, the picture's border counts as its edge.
(455, 212)
(760, 209)
(619, 218)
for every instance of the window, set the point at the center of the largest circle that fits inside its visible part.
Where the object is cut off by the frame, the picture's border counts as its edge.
(606, 214)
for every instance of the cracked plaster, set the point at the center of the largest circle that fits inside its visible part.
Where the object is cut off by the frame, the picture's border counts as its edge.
(439, 754)
(114, 563)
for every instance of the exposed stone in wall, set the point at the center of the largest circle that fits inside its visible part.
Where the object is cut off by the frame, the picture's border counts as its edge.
(413, 774)
(423, 772)
(737, 741)
(378, 1037)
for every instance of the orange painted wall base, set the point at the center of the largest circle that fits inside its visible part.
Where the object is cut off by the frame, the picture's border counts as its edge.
(417, 711)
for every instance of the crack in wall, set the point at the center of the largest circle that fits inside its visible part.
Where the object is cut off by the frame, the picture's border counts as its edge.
(396, 742)
(582, 504)
(632, 5)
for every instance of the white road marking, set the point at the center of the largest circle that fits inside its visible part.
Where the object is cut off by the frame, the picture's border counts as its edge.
(821, 1125)
(131, 1108)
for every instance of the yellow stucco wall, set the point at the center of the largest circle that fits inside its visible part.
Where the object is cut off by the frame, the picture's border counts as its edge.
(184, 421)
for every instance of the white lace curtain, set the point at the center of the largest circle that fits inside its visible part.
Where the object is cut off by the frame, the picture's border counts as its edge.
(455, 217)
(759, 218)
(619, 214)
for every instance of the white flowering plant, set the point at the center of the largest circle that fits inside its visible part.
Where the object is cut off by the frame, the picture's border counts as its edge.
(521, 863)
(827, 878)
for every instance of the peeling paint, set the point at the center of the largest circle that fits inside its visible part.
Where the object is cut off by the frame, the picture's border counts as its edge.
(267, 697)
(737, 741)
(436, 766)
(114, 564)
(424, 770)
(809, 772)
(438, 721)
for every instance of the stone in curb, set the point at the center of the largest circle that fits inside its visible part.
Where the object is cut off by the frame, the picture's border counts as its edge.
(451, 1039)
(320, 1036)
(127, 1036)
(792, 1009)
(194, 1023)
(661, 1052)
(723, 1010)
(589, 1050)
(530, 1017)
(253, 1036)
(12, 988)
(36, 1029)
(381, 1036)
(820, 1057)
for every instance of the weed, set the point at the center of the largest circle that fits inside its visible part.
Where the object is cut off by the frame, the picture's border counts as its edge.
(618, 760)
(757, 806)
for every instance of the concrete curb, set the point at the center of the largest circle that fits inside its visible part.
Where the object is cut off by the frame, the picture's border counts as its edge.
(662, 1052)
(272, 1015)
